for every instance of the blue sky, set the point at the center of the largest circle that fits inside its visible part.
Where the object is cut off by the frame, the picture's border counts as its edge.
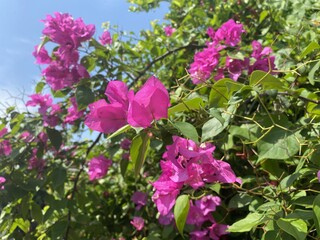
(21, 30)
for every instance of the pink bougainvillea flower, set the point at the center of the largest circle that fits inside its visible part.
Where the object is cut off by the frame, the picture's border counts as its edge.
(199, 235)
(73, 113)
(211, 32)
(196, 216)
(186, 163)
(217, 230)
(166, 219)
(58, 76)
(44, 101)
(42, 56)
(98, 167)
(117, 92)
(109, 117)
(203, 64)
(208, 204)
(318, 175)
(105, 117)
(150, 103)
(35, 162)
(138, 223)
(66, 31)
(5, 148)
(3, 132)
(230, 33)
(264, 61)
(26, 136)
(169, 30)
(266, 64)
(125, 144)
(259, 52)
(236, 66)
(2, 181)
(140, 199)
(105, 38)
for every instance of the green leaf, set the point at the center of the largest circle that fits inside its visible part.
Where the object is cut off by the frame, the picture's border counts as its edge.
(55, 138)
(84, 97)
(58, 229)
(191, 104)
(266, 80)
(316, 213)
(240, 200)
(263, 15)
(312, 46)
(214, 126)
(181, 210)
(222, 91)
(138, 151)
(311, 78)
(88, 62)
(188, 130)
(58, 177)
(179, 3)
(39, 86)
(36, 212)
(45, 39)
(119, 131)
(295, 227)
(278, 144)
(245, 225)
(24, 225)
(289, 180)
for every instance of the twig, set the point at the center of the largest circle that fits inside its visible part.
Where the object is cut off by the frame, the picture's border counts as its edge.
(191, 45)
(74, 189)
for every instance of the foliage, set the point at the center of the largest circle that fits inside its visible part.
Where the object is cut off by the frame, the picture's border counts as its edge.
(262, 131)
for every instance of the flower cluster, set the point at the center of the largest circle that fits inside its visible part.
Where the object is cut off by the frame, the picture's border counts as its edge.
(206, 62)
(105, 38)
(5, 146)
(150, 103)
(187, 164)
(169, 30)
(138, 223)
(2, 181)
(35, 162)
(73, 113)
(139, 199)
(64, 69)
(47, 109)
(200, 214)
(98, 167)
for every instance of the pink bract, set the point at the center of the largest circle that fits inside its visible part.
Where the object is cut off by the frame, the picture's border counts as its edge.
(42, 56)
(66, 31)
(3, 132)
(150, 103)
(73, 113)
(138, 223)
(140, 199)
(169, 30)
(105, 38)
(5, 148)
(2, 181)
(230, 33)
(98, 167)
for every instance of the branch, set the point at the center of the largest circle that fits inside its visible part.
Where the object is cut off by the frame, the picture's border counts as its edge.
(74, 189)
(191, 45)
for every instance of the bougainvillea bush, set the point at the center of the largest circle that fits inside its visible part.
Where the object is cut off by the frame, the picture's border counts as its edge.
(204, 127)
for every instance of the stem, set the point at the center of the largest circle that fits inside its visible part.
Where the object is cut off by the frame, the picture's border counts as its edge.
(191, 45)
(74, 189)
